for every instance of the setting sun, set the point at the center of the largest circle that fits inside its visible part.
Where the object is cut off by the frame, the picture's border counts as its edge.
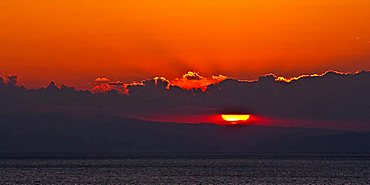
(247, 86)
(235, 117)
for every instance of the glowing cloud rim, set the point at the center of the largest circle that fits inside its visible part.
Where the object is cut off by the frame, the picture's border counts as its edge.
(193, 80)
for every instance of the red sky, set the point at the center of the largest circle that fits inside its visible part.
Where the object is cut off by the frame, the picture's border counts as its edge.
(76, 41)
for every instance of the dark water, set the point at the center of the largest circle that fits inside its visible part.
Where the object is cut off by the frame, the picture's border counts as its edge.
(188, 170)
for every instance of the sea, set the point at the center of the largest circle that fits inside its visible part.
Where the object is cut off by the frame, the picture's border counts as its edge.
(184, 169)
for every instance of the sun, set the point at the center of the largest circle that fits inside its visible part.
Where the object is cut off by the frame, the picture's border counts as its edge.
(235, 118)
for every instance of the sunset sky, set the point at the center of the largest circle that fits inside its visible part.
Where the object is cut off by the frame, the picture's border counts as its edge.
(76, 41)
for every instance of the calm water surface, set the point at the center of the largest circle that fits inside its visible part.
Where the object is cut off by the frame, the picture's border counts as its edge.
(191, 170)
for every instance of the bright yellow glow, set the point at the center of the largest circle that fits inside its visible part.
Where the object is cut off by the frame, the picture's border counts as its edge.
(235, 117)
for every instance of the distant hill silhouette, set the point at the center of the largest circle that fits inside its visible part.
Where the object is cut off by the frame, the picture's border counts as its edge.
(56, 132)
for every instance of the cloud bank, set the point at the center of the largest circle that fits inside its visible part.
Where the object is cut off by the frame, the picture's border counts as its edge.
(334, 97)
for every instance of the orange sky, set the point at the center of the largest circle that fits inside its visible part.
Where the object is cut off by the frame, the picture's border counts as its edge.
(76, 41)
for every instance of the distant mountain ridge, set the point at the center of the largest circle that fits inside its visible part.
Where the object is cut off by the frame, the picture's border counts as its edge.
(55, 132)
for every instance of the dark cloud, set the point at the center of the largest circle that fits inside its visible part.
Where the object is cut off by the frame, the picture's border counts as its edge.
(193, 76)
(332, 96)
(11, 80)
(2, 82)
(52, 86)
